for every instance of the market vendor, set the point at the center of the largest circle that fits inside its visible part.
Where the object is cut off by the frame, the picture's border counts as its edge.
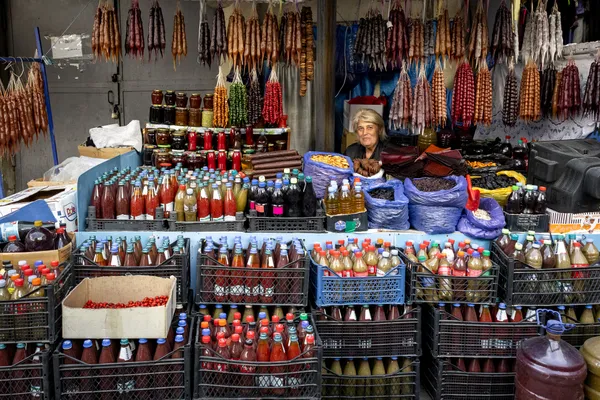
(370, 129)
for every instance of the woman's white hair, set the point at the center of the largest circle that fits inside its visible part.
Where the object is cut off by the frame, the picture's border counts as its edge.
(370, 116)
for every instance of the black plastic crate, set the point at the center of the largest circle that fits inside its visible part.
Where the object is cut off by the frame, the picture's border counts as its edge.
(399, 338)
(443, 381)
(166, 378)
(446, 336)
(177, 265)
(97, 224)
(28, 379)
(405, 384)
(286, 224)
(477, 290)
(210, 226)
(299, 378)
(36, 319)
(290, 284)
(527, 222)
(522, 285)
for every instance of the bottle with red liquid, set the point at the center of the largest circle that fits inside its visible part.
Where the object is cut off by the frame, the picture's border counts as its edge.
(107, 356)
(216, 204)
(252, 286)
(96, 199)
(211, 160)
(108, 202)
(222, 160)
(90, 357)
(207, 138)
(221, 288)
(267, 280)
(278, 355)
(137, 203)
(247, 366)
(229, 203)
(236, 160)
(237, 287)
(221, 140)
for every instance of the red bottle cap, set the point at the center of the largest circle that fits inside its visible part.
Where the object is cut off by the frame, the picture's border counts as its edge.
(239, 329)
(12, 238)
(222, 342)
(25, 267)
(28, 272)
(235, 337)
(45, 271)
(341, 242)
(19, 282)
(50, 277)
(275, 319)
(220, 335)
(264, 322)
(207, 318)
(250, 335)
(542, 188)
(368, 241)
(264, 329)
(387, 244)
(576, 244)
(205, 339)
(480, 250)
(310, 339)
(409, 243)
(452, 241)
(249, 318)
(461, 244)
(237, 315)
(279, 328)
(422, 246)
(440, 256)
(470, 251)
(54, 263)
(236, 322)
(358, 254)
(426, 242)
(289, 316)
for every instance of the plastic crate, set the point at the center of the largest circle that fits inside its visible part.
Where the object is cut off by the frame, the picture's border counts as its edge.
(286, 224)
(27, 380)
(290, 284)
(522, 285)
(477, 290)
(448, 337)
(299, 378)
(36, 319)
(167, 378)
(96, 224)
(178, 266)
(334, 290)
(443, 382)
(399, 338)
(211, 226)
(527, 222)
(405, 384)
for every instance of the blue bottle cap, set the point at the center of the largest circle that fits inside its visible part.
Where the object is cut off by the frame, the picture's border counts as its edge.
(161, 341)
(106, 342)
(183, 323)
(179, 331)
(142, 341)
(87, 344)
(178, 339)
(67, 345)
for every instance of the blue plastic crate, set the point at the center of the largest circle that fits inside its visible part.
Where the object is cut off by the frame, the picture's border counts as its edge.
(336, 291)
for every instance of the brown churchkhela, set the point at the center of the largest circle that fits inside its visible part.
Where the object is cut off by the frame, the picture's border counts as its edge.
(179, 42)
(156, 32)
(510, 105)
(106, 39)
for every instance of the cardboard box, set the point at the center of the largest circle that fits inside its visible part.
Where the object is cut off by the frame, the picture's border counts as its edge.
(41, 182)
(61, 199)
(357, 222)
(130, 323)
(351, 109)
(348, 139)
(106, 153)
(47, 257)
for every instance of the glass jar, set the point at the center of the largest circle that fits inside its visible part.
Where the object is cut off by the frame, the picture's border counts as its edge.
(270, 147)
(194, 160)
(178, 157)
(195, 100)
(181, 100)
(156, 115)
(250, 135)
(192, 140)
(169, 115)
(208, 101)
(163, 137)
(157, 97)
(170, 98)
(162, 158)
(207, 118)
(150, 136)
(280, 145)
(148, 154)
(181, 116)
(195, 117)
(178, 141)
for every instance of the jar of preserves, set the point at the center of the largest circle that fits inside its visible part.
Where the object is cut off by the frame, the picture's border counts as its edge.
(170, 98)
(163, 137)
(178, 157)
(169, 115)
(150, 136)
(162, 158)
(192, 137)
(194, 159)
(195, 117)
(178, 141)
(207, 118)
(211, 161)
(148, 154)
(208, 102)
(249, 135)
(181, 100)
(156, 115)
(221, 141)
(236, 160)
(181, 116)
(222, 160)
(280, 145)
(157, 97)
(207, 140)
(195, 100)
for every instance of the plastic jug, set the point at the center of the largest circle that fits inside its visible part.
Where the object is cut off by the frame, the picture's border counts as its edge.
(549, 368)
(591, 353)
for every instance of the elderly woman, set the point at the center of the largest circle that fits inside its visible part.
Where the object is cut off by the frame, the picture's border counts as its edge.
(370, 129)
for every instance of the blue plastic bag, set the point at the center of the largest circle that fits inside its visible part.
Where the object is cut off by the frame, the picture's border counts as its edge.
(480, 228)
(385, 214)
(455, 197)
(434, 219)
(322, 174)
(369, 182)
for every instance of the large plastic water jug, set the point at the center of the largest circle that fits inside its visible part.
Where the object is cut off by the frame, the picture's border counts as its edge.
(549, 368)
(591, 353)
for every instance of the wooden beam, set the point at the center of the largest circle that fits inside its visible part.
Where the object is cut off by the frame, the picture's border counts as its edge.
(324, 83)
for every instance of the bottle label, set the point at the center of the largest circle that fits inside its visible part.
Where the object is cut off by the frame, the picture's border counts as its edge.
(457, 272)
(361, 274)
(268, 292)
(123, 216)
(237, 290)
(258, 290)
(475, 273)
(347, 273)
(326, 272)
(260, 208)
(149, 217)
(190, 208)
(220, 291)
(230, 218)
(252, 205)
(293, 382)
(221, 367)
(36, 391)
(167, 206)
(276, 381)
(217, 219)
(372, 270)
(381, 272)
(204, 219)
(141, 217)
(247, 369)
(446, 271)
(278, 210)
(578, 275)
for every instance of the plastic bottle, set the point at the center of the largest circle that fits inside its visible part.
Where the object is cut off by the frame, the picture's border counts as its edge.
(332, 203)
(590, 251)
(277, 201)
(359, 199)
(39, 238)
(548, 367)
(513, 203)
(445, 284)
(475, 269)
(360, 268)
(529, 200)
(363, 383)
(13, 245)
(540, 201)
(293, 199)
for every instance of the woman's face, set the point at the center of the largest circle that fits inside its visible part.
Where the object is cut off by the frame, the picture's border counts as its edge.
(368, 133)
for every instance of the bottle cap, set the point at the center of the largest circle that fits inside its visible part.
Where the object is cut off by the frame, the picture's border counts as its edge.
(222, 342)
(36, 281)
(106, 342)
(67, 345)
(18, 282)
(222, 322)
(235, 337)
(486, 253)
(179, 339)
(88, 343)
(205, 339)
